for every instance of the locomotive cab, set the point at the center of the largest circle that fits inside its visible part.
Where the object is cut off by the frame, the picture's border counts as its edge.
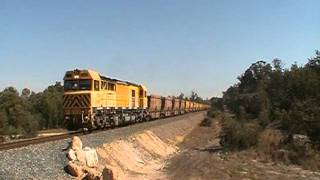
(78, 87)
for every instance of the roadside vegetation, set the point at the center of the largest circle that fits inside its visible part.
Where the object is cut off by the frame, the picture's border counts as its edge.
(25, 113)
(275, 111)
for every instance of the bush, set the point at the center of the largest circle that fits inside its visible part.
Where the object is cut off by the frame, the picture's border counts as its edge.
(311, 162)
(275, 146)
(269, 141)
(239, 134)
(213, 113)
(206, 122)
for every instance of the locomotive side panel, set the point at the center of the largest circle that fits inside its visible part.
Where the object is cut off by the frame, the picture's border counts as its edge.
(122, 97)
(143, 99)
(133, 97)
(108, 94)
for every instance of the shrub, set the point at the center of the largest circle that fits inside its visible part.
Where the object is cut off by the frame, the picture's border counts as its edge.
(239, 134)
(269, 141)
(206, 122)
(275, 146)
(303, 153)
(311, 162)
(212, 113)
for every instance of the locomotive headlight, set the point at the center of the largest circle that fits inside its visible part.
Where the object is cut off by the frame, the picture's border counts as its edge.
(67, 117)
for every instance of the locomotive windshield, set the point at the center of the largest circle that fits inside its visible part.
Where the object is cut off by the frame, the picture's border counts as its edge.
(70, 85)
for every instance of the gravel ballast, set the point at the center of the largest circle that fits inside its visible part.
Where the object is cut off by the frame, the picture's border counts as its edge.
(47, 160)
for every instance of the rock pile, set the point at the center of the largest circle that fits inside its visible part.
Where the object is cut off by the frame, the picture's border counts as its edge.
(83, 162)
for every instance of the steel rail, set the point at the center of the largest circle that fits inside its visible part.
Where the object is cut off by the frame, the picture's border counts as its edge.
(39, 140)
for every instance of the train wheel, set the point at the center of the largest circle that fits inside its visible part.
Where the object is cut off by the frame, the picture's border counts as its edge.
(112, 124)
(74, 124)
(70, 126)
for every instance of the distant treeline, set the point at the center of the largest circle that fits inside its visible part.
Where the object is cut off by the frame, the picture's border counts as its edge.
(26, 112)
(193, 97)
(274, 111)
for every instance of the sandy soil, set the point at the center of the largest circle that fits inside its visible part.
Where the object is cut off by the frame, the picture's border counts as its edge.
(144, 155)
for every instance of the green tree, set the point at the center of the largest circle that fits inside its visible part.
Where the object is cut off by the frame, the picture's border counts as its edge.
(284, 98)
(3, 122)
(181, 96)
(25, 93)
(49, 103)
(195, 97)
(17, 114)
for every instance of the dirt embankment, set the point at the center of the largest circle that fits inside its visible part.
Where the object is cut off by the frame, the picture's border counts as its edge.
(144, 155)
(202, 157)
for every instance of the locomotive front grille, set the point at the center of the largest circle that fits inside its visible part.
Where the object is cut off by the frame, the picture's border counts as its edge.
(76, 101)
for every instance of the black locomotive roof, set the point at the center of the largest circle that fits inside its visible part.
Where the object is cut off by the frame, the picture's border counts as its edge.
(107, 78)
(117, 80)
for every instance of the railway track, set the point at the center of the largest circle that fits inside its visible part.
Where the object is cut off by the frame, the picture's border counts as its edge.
(32, 141)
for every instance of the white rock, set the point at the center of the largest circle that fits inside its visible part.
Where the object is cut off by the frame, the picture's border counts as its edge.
(300, 140)
(81, 156)
(71, 155)
(91, 157)
(76, 143)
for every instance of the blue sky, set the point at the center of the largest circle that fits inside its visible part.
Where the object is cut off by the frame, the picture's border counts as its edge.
(170, 46)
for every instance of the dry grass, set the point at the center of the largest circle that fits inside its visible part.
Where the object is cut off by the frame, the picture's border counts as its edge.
(269, 143)
(273, 148)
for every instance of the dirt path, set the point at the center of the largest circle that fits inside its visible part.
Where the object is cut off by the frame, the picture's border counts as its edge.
(201, 157)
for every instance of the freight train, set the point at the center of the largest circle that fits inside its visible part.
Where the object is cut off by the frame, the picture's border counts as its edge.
(93, 101)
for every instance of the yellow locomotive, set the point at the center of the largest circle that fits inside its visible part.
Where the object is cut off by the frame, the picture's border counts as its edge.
(94, 101)
(98, 101)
